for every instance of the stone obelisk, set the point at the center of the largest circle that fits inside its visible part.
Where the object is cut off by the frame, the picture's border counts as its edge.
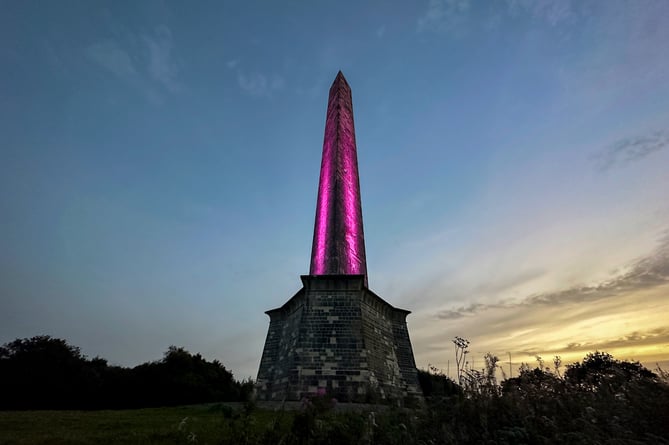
(335, 336)
(339, 242)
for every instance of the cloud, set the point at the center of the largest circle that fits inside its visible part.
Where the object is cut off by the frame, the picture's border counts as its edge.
(554, 12)
(505, 282)
(645, 273)
(161, 65)
(452, 15)
(110, 56)
(444, 16)
(630, 150)
(629, 326)
(636, 338)
(454, 314)
(145, 63)
(258, 84)
(626, 55)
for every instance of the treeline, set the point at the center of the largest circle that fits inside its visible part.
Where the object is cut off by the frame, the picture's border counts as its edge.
(48, 373)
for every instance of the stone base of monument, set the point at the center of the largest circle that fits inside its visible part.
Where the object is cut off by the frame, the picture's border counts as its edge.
(336, 337)
(337, 407)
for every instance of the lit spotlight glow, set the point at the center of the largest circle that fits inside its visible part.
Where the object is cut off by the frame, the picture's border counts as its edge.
(339, 243)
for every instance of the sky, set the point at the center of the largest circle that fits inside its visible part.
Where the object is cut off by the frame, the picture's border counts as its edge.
(159, 166)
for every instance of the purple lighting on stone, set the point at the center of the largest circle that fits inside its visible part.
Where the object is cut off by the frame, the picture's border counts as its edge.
(339, 244)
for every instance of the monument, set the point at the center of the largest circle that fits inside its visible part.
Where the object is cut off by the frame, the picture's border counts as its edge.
(335, 336)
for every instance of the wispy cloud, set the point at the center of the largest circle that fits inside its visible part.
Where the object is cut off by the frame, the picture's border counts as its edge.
(631, 149)
(110, 56)
(313, 88)
(648, 272)
(444, 16)
(161, 65)
(452, 16)
(554, 12)
(635, 338)
(630, 326)
(148, 66)
(256, 83)
(454, 314)
(626, 55)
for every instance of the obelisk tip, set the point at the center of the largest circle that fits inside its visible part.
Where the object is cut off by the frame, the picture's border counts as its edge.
(340, 78)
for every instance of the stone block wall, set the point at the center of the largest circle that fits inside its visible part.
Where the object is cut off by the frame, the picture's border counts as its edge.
(278, 357)
(338, 337)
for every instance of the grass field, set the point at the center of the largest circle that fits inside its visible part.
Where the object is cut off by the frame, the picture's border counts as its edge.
(194, 424)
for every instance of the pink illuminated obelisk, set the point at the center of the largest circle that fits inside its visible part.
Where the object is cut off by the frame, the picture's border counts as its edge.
(335, 336)
(339, 244)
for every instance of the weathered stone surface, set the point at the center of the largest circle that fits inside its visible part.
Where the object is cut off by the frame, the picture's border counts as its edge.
(337, 336)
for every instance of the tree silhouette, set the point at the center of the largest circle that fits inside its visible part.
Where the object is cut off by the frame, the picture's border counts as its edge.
(47, 373)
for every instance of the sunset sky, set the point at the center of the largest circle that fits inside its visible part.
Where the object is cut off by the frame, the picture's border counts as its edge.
(159, 166)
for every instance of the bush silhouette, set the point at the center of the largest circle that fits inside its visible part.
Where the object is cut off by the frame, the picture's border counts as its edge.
(47, 373)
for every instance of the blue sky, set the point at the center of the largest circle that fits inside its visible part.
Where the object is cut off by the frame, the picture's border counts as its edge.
(160, 160)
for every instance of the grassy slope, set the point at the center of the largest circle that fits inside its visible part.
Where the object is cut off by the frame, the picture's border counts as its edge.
(144, 426)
